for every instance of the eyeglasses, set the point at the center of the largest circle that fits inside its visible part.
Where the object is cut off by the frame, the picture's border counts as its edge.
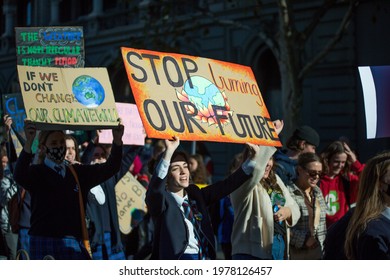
(314, 173)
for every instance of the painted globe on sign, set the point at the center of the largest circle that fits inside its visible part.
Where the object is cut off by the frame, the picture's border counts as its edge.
(88, 91)
(203, 92)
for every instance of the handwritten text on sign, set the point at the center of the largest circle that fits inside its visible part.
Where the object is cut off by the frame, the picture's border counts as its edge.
(130, 196)
(198, 98)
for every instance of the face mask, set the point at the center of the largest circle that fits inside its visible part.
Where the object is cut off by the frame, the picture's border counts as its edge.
(56, 154)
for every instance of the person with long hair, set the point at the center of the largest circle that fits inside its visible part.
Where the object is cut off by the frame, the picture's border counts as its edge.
(264, 211)
(339, 184)
(308, 235)
(368, 232)
(198, 170)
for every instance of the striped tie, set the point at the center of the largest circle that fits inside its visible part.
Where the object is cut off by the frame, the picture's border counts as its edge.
(58, 169)
(190, 216)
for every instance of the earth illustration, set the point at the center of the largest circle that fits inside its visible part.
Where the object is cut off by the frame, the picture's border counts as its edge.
(88, 91)
(203, 92)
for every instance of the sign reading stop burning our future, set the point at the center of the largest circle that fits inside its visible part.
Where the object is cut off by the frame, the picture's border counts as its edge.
(198, 98)
(68, 98)
(54, 46)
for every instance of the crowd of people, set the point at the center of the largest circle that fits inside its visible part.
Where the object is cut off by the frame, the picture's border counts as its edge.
(275, 204)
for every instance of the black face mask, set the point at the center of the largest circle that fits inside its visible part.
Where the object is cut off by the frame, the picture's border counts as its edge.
(56, 154)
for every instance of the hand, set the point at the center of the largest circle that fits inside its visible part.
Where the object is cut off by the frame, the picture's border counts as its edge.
(7, 123)
(95, 140)
(351, 155)
(282, 214)
(311, 243)
(117, 133)
(31, 131)
(253, 150)
(278, 124)
(171, 146)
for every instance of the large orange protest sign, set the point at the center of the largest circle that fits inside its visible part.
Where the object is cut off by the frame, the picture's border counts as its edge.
(66, 98)
(197, 98)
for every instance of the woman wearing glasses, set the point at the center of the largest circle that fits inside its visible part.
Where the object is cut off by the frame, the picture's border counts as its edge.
(308, 235)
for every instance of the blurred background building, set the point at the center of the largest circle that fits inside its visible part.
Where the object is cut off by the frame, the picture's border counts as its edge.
(329, 38)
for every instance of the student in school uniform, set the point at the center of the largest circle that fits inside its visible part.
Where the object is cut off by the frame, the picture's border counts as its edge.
(182, 227)
(56, 222)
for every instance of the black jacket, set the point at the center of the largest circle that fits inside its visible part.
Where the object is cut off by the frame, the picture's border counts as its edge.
(171, 233)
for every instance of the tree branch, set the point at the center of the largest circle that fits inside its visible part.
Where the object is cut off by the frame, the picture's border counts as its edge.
(318, 15)
(341, 30)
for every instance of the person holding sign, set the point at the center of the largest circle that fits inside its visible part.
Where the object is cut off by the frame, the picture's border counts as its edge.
(179, 209)
(263, 211)
(56, 219)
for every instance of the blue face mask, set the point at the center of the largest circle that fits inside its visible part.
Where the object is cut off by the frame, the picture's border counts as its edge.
(56, 154)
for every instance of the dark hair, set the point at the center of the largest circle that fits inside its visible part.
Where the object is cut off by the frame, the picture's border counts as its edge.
(76, 146)
(332, 149)
(42, 138)
(199, 175)
(103, 147)
(235, 163)
(306, 158)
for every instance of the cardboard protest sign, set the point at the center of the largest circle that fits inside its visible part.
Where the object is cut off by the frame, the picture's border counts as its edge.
(130, 198)
(58, 46)
(376, 86)
(134, 133)
(68, 98)
(197, 98)
(13, 106)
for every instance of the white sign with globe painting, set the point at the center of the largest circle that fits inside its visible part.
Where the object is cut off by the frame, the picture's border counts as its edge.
(68, 98)
(198, 98)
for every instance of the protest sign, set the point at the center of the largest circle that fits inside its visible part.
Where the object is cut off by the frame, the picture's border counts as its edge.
(376, 86)
(13, 106)
(134, 133)
(58, 46)
(68, 98)
(197, 98)
(130, 198)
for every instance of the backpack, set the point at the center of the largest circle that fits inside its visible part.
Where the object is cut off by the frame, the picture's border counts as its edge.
(15, 205)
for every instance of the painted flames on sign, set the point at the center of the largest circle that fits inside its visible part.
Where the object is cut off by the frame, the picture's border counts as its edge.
(203, 95)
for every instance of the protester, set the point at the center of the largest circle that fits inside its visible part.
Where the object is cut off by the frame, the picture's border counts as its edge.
(72, 154)
(8, 189)
(335, 238)
(263, 211)
(222, 215)
(56, 222)
(202, 150)
(339, 185)
(179, 209)
(23, 246)
(304, 140)
(368, 231)
(102, 214)
(308, 235)
(198, 170)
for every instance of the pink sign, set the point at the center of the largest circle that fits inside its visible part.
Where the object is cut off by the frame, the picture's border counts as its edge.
(134, 130)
